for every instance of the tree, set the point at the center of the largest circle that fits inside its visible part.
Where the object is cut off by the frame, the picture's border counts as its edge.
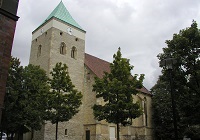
(11, 116)
(162, 116)
(65, 99)
(185, 47)
(117, 89)
(36, 90)
(25, 100)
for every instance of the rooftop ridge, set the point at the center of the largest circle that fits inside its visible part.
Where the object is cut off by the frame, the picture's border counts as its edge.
(98, 58)
(98, 66)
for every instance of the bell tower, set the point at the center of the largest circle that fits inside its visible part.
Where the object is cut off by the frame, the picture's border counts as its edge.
(58, 39)
(61, 39)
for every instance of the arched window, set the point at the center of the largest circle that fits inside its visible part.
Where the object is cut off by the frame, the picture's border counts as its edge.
(141, 120)
(39, 50)
(63, 48)
(74, 52)
(145, 111)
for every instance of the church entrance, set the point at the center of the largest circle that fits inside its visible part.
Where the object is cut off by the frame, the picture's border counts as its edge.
(112, 133)
(87, 134)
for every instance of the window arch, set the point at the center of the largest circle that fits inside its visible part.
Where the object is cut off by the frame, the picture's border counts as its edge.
(63, 48)
(141, 121)
(145, 111)
(39, 51)
(74, 52)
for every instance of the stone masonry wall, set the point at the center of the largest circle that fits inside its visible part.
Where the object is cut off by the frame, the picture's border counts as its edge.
(50, 55)
(141, 128)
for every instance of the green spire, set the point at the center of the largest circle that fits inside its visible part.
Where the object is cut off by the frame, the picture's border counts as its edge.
(61, 13)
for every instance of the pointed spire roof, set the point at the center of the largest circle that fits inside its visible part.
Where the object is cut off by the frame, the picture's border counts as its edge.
(61, 13)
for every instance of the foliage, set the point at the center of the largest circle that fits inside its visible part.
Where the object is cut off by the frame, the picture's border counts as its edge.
(185, 47)
(162, 116)
(11, 116)
(37, 94)
(65, 99)
(193, 132)
(117, 89)
(26, 97)
(29, 100)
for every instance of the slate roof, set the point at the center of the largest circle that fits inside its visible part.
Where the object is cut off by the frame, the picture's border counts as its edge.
(61, 13)
(96, 65)
(99, 66)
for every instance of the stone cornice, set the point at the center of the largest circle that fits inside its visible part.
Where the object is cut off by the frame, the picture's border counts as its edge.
(7, 14)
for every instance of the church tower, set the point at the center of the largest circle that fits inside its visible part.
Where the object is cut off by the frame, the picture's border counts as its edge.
(61, 39)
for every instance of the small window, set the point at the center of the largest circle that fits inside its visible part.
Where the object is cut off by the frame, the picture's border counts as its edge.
(145, 111)
(63, 48)
(61, 33)
(39, 51)
(66, 132)
(74, 53)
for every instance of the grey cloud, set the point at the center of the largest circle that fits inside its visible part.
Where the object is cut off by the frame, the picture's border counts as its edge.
(140, 28)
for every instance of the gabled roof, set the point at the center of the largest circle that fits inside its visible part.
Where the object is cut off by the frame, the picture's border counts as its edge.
(99, 66)
(96, 65)
(61, 13)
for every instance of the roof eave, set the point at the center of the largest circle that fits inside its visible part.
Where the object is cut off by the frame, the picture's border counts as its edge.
(59, 20)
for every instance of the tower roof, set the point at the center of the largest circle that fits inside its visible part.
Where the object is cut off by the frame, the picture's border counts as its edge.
(61, 13)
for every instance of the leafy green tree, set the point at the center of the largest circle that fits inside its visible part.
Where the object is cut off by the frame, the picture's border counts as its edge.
(162, 116)
(117, 89)
(185, 47)
(65, 99)
(12, 115)
(26, 98)
(36, 91)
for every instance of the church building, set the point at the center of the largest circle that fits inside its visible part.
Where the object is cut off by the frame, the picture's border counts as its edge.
(61, 39)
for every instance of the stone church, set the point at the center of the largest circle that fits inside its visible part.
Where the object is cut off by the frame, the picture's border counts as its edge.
(61, 39)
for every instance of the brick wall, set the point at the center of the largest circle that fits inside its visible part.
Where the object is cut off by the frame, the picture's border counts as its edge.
(7, 29)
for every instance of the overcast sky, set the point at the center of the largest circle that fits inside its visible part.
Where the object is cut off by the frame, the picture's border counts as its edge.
(139, 27)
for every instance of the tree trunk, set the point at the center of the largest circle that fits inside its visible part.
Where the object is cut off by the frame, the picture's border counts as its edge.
(20, 135)
(32, 134)
(117, 131)
(1, 134)
(12, 136)
(56, 130)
